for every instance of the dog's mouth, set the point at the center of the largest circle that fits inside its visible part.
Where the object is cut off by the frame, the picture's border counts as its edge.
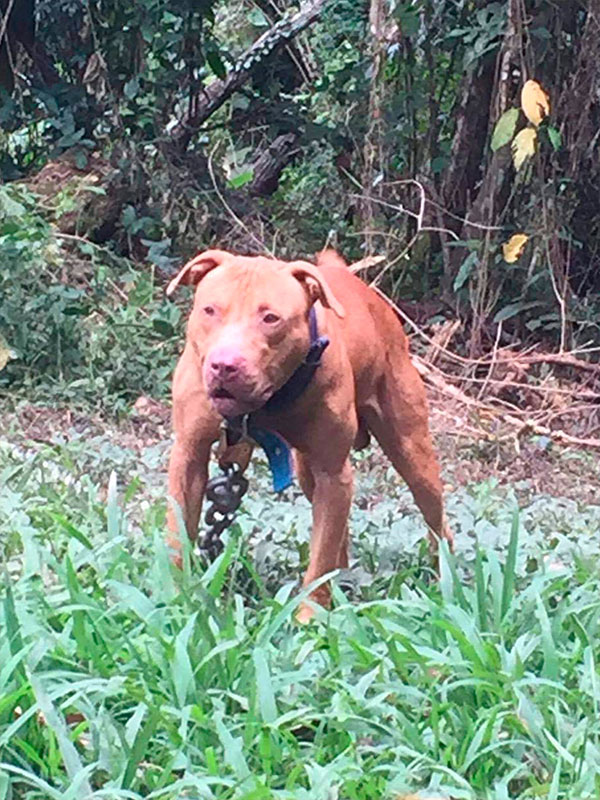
(229, 404)
(221, 394)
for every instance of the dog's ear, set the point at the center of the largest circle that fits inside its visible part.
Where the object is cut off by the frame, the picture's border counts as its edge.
(317, 286)
(196, 269)
(330, 258)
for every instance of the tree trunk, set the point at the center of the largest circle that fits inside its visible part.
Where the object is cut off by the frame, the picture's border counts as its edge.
(466, 192)
(270, 164)
(372, 155)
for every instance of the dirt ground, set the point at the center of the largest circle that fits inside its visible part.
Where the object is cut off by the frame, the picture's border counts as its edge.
(468, 450)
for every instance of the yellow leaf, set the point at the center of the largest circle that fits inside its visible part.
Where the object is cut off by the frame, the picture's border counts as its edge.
(5, 353)
(534, 102)
(523, 146)
(513, 249)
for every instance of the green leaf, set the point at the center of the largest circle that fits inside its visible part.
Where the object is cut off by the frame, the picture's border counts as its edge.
(439, 164)
(13, 628)
(541, 33)
(480, 589)
(54, 720)
(4, 786)
(233, 750)
(466, 268)
(10, 207)
(132, 599)
(241, 179)
(512, 309)
(504, 129)
(257, 18)
(112, 507)
(508, 585)
(215, 62)
(555, 785)
(183, 673)
(555, 137)
(264, 686)
(551, 666)
(139, 747)
(131, 88)
(163, 327)
(215, 575)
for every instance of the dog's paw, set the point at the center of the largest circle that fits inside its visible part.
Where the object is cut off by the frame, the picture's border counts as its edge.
(305, 614)
(174, 550)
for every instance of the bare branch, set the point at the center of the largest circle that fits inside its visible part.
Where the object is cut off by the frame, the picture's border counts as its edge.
(214, 95)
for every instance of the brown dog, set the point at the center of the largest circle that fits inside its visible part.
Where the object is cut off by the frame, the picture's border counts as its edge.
(247, 334)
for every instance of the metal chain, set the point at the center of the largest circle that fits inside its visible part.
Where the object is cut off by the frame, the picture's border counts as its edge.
(224, 493)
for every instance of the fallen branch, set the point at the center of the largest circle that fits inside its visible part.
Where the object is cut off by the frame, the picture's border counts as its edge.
(366, 263)
(524, 426)
(565, 359)
(556, 436)
(213, 96)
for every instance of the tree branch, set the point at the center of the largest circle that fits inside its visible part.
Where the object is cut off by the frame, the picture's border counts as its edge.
(213, 96)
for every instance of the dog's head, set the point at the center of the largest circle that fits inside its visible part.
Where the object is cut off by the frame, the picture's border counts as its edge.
(249, 324)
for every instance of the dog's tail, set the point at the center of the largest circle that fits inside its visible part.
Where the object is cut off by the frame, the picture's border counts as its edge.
(330, 258)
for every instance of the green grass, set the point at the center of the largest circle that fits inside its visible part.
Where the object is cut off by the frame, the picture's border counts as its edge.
(122, 678)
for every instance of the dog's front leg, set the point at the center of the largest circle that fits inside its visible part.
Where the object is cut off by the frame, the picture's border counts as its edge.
(196, 428)
(331, 499)
(188, 473)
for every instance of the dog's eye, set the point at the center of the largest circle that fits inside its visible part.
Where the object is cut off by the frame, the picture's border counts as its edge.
(270, 318)
(209, 311)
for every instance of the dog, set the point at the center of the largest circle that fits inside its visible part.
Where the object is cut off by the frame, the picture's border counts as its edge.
(255, 326)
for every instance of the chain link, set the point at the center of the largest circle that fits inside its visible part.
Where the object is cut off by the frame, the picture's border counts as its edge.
(224, 494)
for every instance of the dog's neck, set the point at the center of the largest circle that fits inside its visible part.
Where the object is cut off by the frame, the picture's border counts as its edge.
(276, 449)
(296, 384)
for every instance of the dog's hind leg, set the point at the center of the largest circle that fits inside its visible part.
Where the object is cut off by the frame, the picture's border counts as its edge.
(398, 418)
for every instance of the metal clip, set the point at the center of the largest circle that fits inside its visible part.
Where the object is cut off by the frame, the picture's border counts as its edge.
(234, 446)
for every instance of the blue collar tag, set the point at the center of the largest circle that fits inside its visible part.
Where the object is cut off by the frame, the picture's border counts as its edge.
(279, 456)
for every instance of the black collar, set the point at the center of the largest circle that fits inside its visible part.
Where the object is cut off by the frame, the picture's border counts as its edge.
(297, 383)
(293, 387)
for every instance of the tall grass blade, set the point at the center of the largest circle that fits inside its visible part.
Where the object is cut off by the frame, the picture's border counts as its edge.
(15, 642)
(480, 594)
(555, 785)
(508, 585)
(264, 686)
(550, 669)
(112, 507)
(450, 583)
(71, 758)
(233, 751)
(139, 747)
(183, 673)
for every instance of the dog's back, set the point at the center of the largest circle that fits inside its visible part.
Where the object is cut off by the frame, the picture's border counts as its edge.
(372, 330)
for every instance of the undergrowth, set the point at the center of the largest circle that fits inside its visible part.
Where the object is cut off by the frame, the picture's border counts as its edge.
(121, 677)
(79, 326)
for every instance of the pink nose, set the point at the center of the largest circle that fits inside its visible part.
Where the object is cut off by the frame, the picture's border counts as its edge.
(225, 363)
